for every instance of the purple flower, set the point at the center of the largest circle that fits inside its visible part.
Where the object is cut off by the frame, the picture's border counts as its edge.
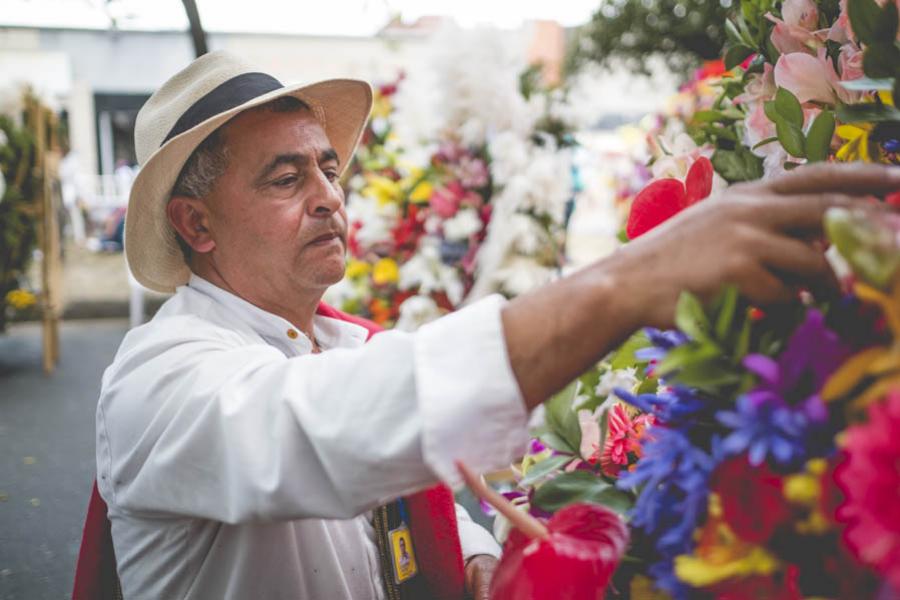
(661, 342)
(783, 417)
(672, 406)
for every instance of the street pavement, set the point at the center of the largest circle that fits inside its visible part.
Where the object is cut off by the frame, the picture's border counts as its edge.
(47, 453)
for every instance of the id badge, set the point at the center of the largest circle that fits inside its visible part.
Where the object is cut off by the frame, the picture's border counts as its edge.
(404, 558)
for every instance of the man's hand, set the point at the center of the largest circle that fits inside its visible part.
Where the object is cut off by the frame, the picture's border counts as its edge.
(479, 571)
(759, 236)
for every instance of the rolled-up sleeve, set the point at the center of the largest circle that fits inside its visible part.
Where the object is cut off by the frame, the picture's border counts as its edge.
(199, 424)
(472, 409)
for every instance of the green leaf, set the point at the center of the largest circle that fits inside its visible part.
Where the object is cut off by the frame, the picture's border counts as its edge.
(881, 60)
(580, 486)
(557, 443)
(625, 355)
(544, 468)
(791, 137)
(725, 318)
(736, 55)
(764, 142)
(864, 16)
(869, 112)
(787, 105)
(737, 165)
(732, 33)
(691, 318)
(708, 376)
(790, 166)
(742, 346)
(647, 386)
(818, 140)
(561, 418)
(771, 111)
(687, 356)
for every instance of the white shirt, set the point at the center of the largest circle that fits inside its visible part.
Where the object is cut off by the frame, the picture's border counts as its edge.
(236, 464)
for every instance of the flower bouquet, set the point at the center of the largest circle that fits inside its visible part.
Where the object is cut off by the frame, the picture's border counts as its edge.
(753, 453)
(461, 206)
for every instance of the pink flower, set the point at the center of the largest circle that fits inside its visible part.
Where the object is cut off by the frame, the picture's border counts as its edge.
(850, 62)
(870, 480)
(795, 33)
(623, 439)
(802, 13)
(807, 77)
(445, 200)
(590, 435)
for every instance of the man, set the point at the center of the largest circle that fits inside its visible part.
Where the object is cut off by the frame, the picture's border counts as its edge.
(245, 434)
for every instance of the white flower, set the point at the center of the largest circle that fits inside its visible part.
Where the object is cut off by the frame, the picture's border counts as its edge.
(417, 311)
(462, 225)
(521, 274)
(376, 221)
(426, 271)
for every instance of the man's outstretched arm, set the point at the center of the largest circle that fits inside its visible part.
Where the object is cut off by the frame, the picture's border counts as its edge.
(752, 237)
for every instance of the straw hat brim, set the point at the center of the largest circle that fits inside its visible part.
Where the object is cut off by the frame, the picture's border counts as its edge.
(342, 106)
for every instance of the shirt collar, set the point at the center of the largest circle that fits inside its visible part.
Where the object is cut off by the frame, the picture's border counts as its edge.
(279, 332)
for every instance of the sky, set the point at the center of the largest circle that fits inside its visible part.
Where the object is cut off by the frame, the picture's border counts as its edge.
(317, 17)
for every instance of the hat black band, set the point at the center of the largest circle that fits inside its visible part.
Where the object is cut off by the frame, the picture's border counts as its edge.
(225, 96)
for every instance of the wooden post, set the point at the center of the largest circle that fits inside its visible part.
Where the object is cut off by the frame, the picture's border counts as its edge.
(42, 123)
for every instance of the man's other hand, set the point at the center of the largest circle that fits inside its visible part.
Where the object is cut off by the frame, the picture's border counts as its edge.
(479, 571)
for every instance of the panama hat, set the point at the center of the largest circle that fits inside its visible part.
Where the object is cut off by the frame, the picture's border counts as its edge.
(182, 113)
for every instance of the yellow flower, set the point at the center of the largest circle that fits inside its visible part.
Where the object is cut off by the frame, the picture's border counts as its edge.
(877, 367)
(857, 146)
(385, 271)
(382, 189)
(721, 555)
(421, 193)
(381, 107)
(358, 268)
(20, 299)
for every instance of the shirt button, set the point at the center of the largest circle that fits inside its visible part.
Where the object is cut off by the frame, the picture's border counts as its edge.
(292, 333)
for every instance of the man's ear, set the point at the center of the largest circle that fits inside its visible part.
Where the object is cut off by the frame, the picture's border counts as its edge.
(190, 218)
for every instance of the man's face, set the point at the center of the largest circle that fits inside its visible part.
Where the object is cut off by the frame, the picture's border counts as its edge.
(277, 213)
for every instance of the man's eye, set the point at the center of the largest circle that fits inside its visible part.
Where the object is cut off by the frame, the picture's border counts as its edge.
(285, 181)
(331, 175)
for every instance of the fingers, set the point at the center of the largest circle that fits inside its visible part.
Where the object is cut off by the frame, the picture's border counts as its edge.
(799, 212)
(857, 179)
(760, 286)
(787, 255)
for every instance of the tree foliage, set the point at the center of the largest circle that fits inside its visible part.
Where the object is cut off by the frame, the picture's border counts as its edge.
(684, 33)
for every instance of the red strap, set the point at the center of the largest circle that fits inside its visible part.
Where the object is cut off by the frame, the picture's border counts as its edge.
(95, 572)
(432, 516)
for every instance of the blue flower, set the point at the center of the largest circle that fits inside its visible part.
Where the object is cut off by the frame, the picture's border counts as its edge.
(661, 342)
(672, 406)
(765, 427)
(673, 477)
(783, 418)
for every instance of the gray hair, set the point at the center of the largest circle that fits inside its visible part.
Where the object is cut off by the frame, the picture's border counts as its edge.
(209, 160)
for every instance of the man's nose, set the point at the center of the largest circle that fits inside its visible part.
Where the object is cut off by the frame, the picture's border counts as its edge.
(326, 198)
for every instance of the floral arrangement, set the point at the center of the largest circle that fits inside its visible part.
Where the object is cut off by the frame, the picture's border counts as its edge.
(469, 203)
(754, 454)
(19, 184)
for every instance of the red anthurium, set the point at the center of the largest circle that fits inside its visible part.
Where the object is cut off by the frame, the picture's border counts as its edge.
(573, 555)
(575, 561)
(893, 199)
(664, 198)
